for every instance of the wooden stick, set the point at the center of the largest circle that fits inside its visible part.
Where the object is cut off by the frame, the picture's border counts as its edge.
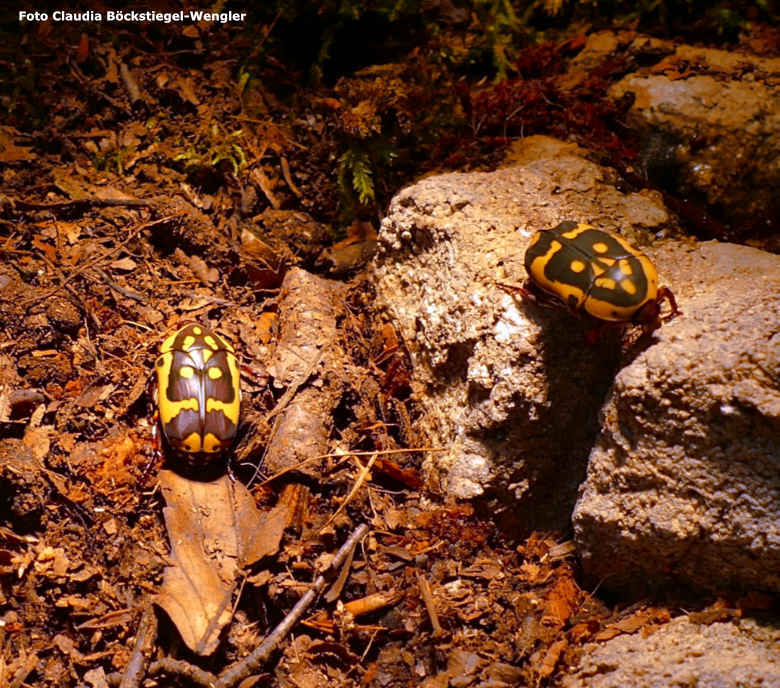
(144, 639)
(427, 595)
(252, 662)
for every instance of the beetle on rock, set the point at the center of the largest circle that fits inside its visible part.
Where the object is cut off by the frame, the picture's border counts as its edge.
(198, 393)
(597, 272)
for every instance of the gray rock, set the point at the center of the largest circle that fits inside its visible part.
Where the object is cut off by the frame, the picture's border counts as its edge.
(721, 114)
(721, 655)
(684, 475)
(684, 478)
(511, 391)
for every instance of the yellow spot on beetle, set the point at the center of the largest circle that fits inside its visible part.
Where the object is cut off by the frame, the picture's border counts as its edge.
(206, 354)
(576, 231)
(600, 247)
(211, 443)
(170, 409)
(625, 267)
(628, 286)
(186, 372)
(230, 409)
(192, 442)
(196, 330)
(211, 342)
(605, 283)
(188, 342)
(215, 373)
(577, 266)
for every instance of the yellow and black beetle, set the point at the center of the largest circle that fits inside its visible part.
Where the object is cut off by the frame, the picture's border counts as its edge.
(594, 271)
(198, 393)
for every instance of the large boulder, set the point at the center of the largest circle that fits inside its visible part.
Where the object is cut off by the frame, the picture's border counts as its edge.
(710, 119)
(511, 392)
(683, 653)
(684, 478)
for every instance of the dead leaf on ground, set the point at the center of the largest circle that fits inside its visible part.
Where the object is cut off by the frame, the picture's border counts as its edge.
(631, 624)
(551, 658)
(214, 529)
(185, 87)
(125, 264)
(202, 271)
(9, 151)
(561, 601)
(79, 190)
(356, 250)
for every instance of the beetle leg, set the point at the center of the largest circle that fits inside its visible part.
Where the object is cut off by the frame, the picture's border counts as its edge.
(530, 292)
(516, 289)
(665, 294)
(230, 473)
(156, 455)
(156, 452)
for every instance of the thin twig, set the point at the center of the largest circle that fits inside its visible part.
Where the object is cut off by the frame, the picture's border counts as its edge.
(144, 640)
(288, 177)
(427, 595)
(344, 455)
(183, 668)
(124, 291)
(358, 483)
(175, 667)
(252, 662)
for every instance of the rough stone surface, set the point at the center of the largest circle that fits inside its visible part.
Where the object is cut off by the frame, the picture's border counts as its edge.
(511, 391)
(684, 478)
(682, 429)
(721, 655)
(722, 110)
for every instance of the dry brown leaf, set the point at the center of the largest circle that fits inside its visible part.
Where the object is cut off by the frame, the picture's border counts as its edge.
(261, 180)
(198, 266)
(78, 190)
(264, 326)
(48, 250)
(125, 263)
(193, 303)
(561, 601)
(215, 529)
(633, 623)
(118, 617)
(185, 87)
(352, 252)
(38, 440)
(389, 337)
(9, 151)
(551, 658)
(582, 631)
(71, 230)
